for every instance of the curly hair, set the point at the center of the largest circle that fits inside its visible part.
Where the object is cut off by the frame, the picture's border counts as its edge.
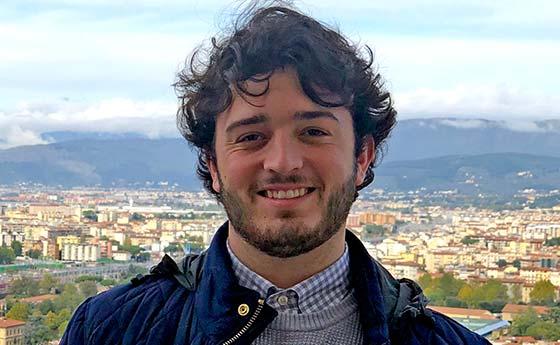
(263, 40)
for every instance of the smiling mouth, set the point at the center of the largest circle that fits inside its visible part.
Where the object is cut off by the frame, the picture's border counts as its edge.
(286, 194)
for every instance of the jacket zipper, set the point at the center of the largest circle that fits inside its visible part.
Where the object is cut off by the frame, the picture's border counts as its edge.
(248, 325)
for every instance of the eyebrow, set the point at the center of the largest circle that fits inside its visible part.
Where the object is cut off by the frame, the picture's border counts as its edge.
(253, 120)
(298, 116)
(310, 115)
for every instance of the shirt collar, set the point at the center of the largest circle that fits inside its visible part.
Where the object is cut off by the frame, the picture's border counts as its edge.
(322, 290)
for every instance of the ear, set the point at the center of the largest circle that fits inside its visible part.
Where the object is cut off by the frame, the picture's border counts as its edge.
(365, 158)
(214, 173)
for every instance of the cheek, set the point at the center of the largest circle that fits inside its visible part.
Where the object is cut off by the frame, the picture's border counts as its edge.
(238, 173)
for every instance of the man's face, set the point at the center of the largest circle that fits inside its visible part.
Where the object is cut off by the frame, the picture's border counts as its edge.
(285, 167)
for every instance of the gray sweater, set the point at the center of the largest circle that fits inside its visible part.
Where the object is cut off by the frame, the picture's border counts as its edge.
(336, 325)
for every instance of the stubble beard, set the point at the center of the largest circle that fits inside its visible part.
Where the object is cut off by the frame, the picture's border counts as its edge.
(294, 237)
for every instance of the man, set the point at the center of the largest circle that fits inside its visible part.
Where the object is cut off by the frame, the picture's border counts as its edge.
(288, 118)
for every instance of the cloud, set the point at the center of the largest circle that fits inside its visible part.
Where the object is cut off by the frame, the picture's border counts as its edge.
(13, 135)
(478, 101)
(25, 125)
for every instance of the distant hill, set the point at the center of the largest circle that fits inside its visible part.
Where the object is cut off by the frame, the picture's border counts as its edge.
(468, 155)
(500, 173)
(426, 138)
(106, 162)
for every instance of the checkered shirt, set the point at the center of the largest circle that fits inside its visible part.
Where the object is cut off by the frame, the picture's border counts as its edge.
(325, 289)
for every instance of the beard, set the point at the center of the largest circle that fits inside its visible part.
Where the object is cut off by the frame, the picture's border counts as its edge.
(290, 237)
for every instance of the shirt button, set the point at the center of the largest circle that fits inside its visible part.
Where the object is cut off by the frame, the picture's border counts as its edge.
(282, 300)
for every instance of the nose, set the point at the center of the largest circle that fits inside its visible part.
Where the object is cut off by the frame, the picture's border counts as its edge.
(284, 155)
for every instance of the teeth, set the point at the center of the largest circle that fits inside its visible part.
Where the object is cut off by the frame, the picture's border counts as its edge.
(287, 194)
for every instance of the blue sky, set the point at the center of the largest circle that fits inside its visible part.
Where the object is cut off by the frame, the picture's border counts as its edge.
(107, 65)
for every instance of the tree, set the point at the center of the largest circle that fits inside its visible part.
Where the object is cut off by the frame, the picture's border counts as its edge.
(34, 253)
(173, 248)
(19, 311)
(89, 214)
(88, 277)
(108, 282)
(466, 294)
(544, 330)
(46, 306)
(523, 321)
(24, 286)
(88, 288)
(69, 298)
(7, 255)
(469, 240)
(552, 242)
(543, 292)
(501, 263)
(137, 217)
(517, 294)
(516, 263)
(374, 230)
(37, 333)
(425, 280)
(17, 247)
(48, 283)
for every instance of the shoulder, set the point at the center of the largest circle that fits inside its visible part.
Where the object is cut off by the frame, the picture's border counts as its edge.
(131, 308)
(437, 329)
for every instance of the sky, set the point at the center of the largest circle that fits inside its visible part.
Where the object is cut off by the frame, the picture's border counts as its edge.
(108, 65)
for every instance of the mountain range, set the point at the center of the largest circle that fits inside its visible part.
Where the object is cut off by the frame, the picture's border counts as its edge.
(468, 155)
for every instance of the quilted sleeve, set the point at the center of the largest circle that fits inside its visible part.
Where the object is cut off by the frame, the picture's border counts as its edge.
(76, 332)
(441, 330)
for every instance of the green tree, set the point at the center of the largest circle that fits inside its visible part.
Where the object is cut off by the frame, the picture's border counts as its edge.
(544, 330)
(137, 217)
(108, 282)
(69, 298)
(89, 214)
(466, 294)
(501, 263)
(19, 311)
(516, 263)
(24, 286)
(552, 242)
(425, 280)
(7, 255)
(17, 247)
(46, 306)
(543, 292)
(34, 253)
(88, 288)
(88, 277)
(523, 321)
(47, 283)
(37, 333)
(469, 240)
(173, 248)
(374, 230)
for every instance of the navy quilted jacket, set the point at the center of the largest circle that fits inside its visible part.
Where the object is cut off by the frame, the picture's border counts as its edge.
(206, 306)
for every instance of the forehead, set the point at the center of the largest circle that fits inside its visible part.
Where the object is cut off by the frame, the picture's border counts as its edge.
(281, 97)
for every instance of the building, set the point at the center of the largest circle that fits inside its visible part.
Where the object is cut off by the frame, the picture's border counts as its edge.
(80, 252)
(11, 332)
(511, 310)
(119, 255)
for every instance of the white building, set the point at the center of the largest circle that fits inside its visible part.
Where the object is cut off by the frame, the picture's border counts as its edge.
(80, 252)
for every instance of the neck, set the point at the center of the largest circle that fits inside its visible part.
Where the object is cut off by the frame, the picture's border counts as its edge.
(287, 272)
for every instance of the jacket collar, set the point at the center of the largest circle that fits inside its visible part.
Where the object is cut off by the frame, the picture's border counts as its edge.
(219, 295)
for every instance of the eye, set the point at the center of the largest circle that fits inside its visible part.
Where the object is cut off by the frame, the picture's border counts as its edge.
(250, 137)
(315, 132)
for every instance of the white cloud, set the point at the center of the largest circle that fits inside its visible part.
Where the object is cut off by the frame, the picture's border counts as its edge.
(24, 125)
(478, 101)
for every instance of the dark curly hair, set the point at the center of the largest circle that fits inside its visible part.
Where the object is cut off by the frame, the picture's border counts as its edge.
(263, 40)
